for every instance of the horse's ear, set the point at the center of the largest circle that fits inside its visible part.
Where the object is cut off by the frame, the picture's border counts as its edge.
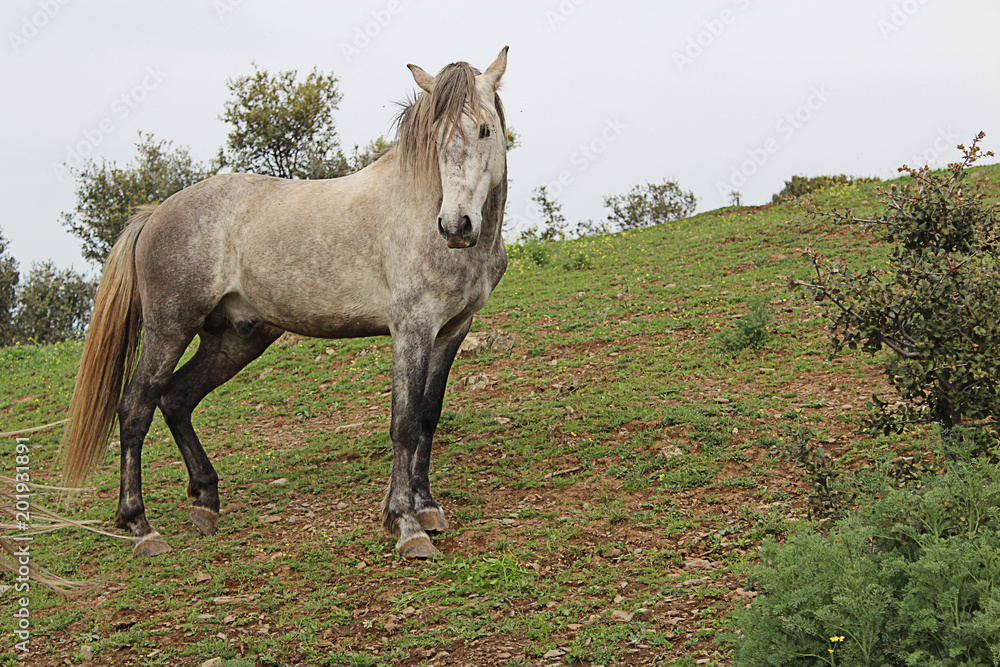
(495, 71)
(423, 79)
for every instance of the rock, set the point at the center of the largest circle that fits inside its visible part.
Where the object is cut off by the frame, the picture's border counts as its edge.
(554, 653)
(697, 563)
(214, 662)
(471, 346)
(269, 518)
(623, 616)
(87, 653)
(670, 451)
(499, 341)
(473, 382)
(281, 481)
(201, 578)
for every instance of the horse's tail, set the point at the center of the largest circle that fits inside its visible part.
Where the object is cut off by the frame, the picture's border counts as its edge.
(109, 356)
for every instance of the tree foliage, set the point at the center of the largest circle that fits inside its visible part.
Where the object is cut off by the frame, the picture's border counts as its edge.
(362, 157)
(8, 293)
(283, 127)
(650, 204)
(54, 304)
(108, 195)
(935, 304)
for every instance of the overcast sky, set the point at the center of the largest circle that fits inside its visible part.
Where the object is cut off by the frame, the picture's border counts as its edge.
(720, 95)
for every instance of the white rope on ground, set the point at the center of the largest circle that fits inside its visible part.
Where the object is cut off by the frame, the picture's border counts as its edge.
(7, 434)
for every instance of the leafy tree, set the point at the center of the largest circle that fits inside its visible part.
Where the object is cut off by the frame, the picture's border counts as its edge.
(108, 195)
(650, 204)
(935, 304)
(54, 305)
(283, 127)
(8, 293)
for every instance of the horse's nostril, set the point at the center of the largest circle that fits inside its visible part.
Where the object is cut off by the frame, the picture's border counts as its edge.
(466, 226)
(441, 228)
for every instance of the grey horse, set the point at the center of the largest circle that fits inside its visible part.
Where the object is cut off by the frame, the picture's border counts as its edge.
(409, 246)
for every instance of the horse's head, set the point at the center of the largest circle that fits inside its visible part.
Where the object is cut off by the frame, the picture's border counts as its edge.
(470, 142)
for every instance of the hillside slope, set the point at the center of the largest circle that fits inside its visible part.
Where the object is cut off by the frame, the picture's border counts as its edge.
(606, 466)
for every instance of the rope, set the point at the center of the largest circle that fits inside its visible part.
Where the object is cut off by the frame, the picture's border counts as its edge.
(7, 434)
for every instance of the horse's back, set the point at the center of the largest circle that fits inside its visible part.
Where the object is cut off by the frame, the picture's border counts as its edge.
(296, 254)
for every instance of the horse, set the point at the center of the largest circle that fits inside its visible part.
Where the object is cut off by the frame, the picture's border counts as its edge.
(410, 247)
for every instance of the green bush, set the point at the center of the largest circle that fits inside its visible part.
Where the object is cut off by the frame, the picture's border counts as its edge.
(934, 303)
(913, 579)
(804, 185)
(650, 204)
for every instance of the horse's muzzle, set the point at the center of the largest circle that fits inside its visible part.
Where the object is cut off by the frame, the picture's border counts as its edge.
(463, 234)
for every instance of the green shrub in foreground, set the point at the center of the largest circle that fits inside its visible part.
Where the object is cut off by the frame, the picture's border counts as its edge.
(913, 579)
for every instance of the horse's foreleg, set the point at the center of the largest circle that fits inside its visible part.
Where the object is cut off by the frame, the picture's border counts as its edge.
(428, 512)
(411, 352)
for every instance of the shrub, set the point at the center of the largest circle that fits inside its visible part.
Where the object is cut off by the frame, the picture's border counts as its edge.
(551, 212)
(531, 251)
(911, 580)
(935, 304)
(804, 185)
(577, 261)
(650, 204)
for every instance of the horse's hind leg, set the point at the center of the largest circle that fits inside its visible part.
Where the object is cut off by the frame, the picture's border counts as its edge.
(218, 359)
(159, 356)
(428, 512)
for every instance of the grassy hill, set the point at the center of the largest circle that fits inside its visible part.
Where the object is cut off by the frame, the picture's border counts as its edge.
(607, 477)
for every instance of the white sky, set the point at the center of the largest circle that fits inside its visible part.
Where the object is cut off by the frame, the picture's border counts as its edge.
(605, 95)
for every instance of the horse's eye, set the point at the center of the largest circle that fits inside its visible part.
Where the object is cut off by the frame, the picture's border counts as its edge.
(484, 131)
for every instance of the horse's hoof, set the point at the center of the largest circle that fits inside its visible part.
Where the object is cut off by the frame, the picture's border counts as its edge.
(432, 520)
(150, 545)
(204, 519)
(418, 546)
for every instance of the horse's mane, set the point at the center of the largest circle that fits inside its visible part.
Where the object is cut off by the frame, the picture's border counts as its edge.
(420, 119)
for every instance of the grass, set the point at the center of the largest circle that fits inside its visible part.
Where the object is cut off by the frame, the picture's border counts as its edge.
(604, 490)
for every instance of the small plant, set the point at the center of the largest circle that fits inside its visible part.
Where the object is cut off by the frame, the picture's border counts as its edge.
(751, 330)
(830, 497)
